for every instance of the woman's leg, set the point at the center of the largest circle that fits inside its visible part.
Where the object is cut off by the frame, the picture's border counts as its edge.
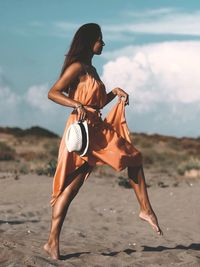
(60, 208)
(137, 182)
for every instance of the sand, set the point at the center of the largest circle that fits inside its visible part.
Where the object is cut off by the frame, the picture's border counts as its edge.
(102, 227)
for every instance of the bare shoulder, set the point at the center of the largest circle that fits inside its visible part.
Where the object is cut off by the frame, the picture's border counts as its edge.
(70, 75)
(74, 70)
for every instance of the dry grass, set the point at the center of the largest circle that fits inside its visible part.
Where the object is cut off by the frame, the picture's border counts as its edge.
(6, 152)
(36, 150)
(168, 154)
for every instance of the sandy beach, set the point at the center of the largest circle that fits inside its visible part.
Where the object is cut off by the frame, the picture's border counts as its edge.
(129, 71)
(102, 227)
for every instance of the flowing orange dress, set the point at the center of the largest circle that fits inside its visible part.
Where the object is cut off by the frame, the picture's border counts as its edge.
(109, 140)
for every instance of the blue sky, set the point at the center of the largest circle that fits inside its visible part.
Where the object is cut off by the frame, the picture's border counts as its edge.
(152, 51)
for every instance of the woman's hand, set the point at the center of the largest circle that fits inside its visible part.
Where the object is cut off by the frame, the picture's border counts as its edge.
(121, 94)
(82, 113)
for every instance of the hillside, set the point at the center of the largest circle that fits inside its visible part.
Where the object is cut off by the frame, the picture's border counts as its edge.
(36, 149)
(34, 131)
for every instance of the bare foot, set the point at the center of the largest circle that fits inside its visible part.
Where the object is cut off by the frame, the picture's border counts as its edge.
(52, 251)
(151, 218)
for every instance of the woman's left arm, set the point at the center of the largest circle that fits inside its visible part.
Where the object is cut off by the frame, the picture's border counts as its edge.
(117, 92)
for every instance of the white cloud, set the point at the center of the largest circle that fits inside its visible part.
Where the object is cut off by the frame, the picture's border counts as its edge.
(150, 21)
(30, 108)
(164, 22)
(149, 12)
(36, 24)
(162, 80)
(158, 73)
(9, 102)
(8, 98)
(63, 28)
(36, 96)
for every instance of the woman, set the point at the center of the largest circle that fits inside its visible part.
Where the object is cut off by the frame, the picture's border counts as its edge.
(80, 88)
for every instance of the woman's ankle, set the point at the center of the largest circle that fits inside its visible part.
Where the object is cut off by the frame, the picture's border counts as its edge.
(53, 241)
(146, 210)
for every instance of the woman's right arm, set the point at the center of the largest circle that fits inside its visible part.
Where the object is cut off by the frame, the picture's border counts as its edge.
(56, 92)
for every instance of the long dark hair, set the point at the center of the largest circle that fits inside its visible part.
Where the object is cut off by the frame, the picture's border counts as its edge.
(81, 45)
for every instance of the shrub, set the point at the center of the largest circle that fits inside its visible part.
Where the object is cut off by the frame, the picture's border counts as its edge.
(192, 164)
(24, 169)
(49, 169)
(123, 182)
(52, 148)
(54, 151)
(6, 152)
(164, 158)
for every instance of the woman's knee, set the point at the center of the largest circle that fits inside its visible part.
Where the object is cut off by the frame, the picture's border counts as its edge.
(133, 173)
(76, 180)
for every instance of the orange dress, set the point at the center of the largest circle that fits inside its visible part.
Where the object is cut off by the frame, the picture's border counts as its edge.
(109, 140)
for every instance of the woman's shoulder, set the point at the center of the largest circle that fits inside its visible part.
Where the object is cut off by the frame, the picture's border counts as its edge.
(82, 68)
(75, 66)
(74, 70)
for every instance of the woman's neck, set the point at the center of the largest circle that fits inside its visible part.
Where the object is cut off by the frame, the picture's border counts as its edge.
(88, 60)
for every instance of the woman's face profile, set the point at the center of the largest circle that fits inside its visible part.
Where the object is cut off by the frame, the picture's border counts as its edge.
(98, 45)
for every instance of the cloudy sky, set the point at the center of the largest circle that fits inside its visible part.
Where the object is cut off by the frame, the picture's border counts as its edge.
(152, 51)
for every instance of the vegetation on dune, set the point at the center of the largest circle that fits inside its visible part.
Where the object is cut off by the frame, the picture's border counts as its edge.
(6, 152)
(168, 153)
(191, 164)
(36, 150)
(33, 131)
(49, 169)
